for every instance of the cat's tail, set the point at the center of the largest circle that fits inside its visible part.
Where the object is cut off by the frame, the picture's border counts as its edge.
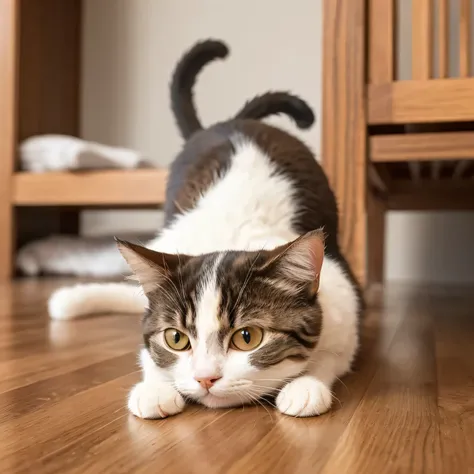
(96, 298)
(274, 103)
(184, 78)
(262, 106)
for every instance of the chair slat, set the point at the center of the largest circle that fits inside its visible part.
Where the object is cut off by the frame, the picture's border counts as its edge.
(381, 41)
(443, 38)
(465, 38)
(422, 39)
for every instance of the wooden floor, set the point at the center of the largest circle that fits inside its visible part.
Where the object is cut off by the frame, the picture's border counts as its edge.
(409, 407)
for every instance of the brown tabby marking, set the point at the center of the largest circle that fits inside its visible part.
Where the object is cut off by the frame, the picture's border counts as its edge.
(293, 321)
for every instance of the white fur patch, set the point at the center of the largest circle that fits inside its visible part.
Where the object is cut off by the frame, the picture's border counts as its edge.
(205, 362)
(250, 208)
(251, 205)
(207, 306)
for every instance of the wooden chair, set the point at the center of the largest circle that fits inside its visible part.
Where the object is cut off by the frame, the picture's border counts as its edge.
(39, 93)
(390, 144)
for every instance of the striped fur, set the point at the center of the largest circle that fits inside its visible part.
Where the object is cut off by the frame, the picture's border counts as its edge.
(239, 250)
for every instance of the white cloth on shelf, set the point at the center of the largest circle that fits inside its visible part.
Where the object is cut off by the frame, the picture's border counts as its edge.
(61, 152)
(70, 255)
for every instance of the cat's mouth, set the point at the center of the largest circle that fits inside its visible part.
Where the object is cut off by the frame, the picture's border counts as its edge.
(222, 401)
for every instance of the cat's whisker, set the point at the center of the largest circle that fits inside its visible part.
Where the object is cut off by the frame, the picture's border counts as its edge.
(326, 351)
(171, 299)
(347, 388)
(334, 396)
(256, 400)
(242, 403)
(171, 282)
(268, 390)
(259, 395)
(227, 412)
(282, 380)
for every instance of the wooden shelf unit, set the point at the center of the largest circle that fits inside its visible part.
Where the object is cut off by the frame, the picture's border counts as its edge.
(40, 49)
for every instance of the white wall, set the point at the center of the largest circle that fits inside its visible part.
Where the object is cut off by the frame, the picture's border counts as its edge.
(130, 49)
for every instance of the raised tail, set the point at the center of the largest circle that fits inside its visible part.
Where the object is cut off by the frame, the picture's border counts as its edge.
(96, 298)
(184, 78)
(273, 103)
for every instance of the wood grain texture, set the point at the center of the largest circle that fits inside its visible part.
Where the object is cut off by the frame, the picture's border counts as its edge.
(443, 38)
(422, 39)
(344, 125)
(465, 40)
(95, 188)
(431, 195)
(455, 382)
(8, 91)
(405, 408)
(49, 67)
(381, 41)
(395, 427)
(376, 212)
(444, 146)
(436, 100)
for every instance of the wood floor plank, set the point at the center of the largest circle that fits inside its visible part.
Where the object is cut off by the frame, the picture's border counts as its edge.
(137, 446)
(455, 372)
(28, 399)
(28, 438)
(395, 426)
(34, 368)
(407, 408)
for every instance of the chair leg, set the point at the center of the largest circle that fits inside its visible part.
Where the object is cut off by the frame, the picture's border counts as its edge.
(376, 211)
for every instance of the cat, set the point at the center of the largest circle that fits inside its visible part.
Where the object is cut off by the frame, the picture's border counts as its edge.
(247, 292)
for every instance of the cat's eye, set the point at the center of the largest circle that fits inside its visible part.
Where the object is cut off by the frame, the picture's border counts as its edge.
(246, 339)
(177, 340)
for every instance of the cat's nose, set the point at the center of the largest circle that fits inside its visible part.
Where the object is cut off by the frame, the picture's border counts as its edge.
(207, 382)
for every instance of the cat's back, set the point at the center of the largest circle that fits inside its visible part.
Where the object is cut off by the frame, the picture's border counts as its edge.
(246, 169)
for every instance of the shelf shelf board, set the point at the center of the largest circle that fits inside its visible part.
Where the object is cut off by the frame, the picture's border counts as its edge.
(144, 187)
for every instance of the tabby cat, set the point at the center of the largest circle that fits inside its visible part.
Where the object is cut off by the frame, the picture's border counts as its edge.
(246, 290)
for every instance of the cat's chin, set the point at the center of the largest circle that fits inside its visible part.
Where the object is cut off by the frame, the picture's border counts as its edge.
(213, 401)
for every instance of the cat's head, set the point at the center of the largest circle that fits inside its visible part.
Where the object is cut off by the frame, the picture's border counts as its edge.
(230, 327)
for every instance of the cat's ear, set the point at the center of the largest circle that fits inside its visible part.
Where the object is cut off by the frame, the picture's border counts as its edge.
(149, 267)
(300, 261)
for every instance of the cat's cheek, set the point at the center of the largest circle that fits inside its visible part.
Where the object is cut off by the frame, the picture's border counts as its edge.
(237, 366)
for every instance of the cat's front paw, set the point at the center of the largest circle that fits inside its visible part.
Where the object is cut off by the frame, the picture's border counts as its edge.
(304, 396)
(154, 401)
